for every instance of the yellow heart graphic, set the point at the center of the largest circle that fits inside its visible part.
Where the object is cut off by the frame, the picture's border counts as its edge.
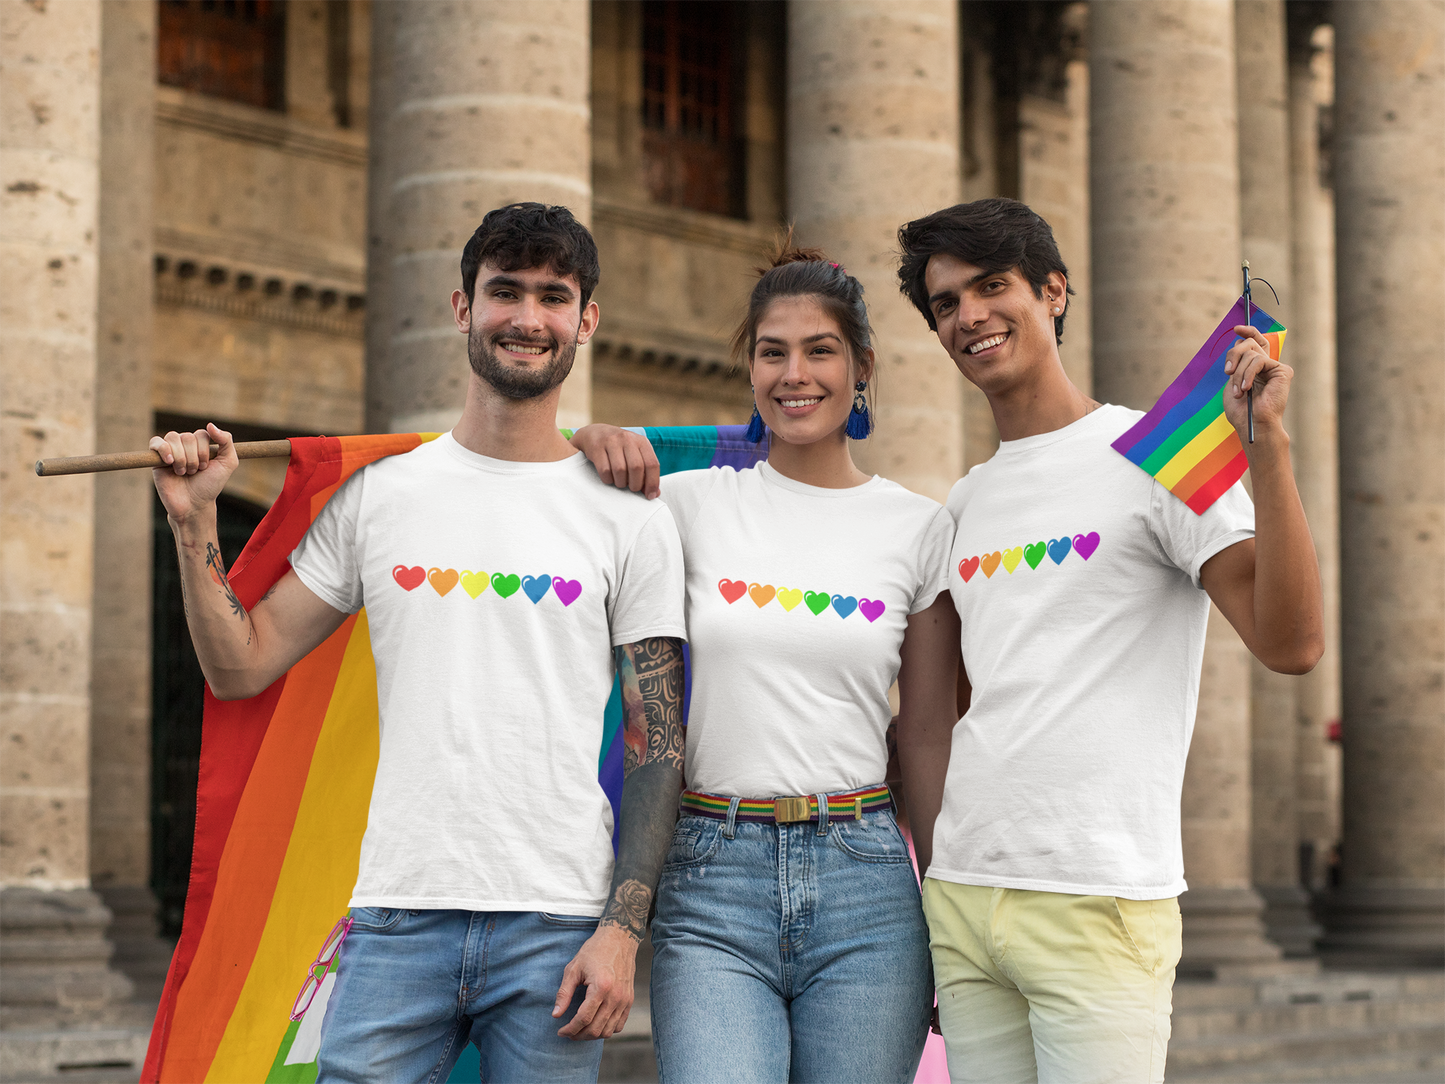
(474, 583)
(789, 597)
(1011, 558)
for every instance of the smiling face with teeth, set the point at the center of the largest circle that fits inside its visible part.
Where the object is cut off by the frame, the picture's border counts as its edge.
(523, 328)
(997, 330)
(801, 371)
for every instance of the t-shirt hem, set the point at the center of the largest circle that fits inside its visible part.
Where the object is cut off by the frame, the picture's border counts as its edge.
(675, 631)
(1067, 888)
(582, 908)
(1218, 545)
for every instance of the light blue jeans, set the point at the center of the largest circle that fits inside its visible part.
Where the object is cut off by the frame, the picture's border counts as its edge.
(414, 987)
(781, 954)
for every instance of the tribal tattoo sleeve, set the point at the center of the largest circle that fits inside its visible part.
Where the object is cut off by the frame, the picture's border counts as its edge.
(652, 682)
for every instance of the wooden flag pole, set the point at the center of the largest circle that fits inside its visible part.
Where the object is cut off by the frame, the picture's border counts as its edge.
(94, 464)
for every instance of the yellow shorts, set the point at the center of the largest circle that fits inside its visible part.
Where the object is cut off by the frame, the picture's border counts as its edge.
(1044, 986)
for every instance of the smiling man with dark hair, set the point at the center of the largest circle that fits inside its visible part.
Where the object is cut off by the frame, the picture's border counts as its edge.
(487, 899)
(1083, 587)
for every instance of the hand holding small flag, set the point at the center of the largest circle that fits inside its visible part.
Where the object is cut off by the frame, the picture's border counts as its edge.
(1252, 364)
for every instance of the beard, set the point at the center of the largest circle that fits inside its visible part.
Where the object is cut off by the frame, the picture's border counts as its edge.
(514, 381)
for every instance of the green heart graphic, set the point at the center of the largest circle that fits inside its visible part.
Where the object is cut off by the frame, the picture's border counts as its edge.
(817, 602)
(506, 586)
(1035, 553)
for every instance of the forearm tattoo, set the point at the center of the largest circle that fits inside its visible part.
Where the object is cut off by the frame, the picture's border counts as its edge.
(217, 567)
(652, 683)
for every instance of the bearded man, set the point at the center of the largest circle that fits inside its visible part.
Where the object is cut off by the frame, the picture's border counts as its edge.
(487, 881)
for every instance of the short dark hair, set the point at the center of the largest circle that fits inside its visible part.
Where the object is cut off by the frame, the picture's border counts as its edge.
(993, 235)
(526, 235)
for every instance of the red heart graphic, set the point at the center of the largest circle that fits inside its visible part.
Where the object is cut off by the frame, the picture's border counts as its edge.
(732, 590)
(409, 578)
(967, 567)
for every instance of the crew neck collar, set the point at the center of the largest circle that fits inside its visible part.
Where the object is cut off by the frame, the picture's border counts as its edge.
(1102, 418)
(771, 476)
(464, 455)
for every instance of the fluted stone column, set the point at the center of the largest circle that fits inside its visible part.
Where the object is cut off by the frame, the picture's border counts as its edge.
(1311, 346)
(52, 944)
(873, 113)
(482, 103)
(1165, 211)
(1390, 216)
(1265, 227)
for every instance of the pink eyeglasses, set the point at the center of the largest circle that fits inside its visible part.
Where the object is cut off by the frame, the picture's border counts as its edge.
(317, 971)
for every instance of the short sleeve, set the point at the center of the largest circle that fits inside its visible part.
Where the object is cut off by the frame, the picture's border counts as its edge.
(326, 560)
(648, 601)
(934, 550)
(685, 492)
(1188, 540)
(958, 498)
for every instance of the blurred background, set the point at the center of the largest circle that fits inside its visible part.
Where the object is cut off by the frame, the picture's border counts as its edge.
(252, 212)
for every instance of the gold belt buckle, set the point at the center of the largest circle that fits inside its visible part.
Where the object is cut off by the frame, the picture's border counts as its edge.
(792, 810)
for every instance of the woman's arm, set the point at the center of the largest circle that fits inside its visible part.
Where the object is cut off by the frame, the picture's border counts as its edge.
(927, 694)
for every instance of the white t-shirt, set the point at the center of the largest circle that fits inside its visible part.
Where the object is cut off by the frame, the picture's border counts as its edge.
(1076, 576)
(495, 592)
(797, 600)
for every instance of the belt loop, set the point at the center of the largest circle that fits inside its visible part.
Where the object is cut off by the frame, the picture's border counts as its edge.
(822, 814)
(730, 825)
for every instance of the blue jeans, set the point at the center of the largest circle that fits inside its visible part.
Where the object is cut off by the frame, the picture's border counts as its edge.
(414, 987)
(783, 955)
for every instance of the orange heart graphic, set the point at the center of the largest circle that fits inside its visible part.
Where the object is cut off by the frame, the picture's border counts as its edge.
(761, 593)
(990, 562)
(474, 583)
(443, 580)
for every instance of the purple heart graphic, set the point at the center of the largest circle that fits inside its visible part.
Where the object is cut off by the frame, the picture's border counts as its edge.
(566, 590)
(871, 608)
(1059, 549)
(1086, 544)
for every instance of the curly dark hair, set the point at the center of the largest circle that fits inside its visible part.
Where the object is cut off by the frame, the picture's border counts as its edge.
(525, 235)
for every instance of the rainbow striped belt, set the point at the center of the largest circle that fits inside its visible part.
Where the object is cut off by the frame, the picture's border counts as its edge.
(846, 807)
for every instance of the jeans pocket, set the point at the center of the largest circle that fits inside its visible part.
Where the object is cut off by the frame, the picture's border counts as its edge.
(376, 919)
(571, 922)
(875, 838)
(694, 842)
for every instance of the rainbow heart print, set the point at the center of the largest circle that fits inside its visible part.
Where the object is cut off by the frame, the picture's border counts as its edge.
(1185, 441)
(502, 584)
(793, 599)
(1029, 556)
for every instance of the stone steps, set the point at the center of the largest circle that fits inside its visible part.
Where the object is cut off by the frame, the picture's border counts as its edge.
(1328, 1026)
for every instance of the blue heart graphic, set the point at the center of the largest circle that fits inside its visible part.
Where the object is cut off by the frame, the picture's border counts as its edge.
(844, 606)
(1059, 549)
(536, 586)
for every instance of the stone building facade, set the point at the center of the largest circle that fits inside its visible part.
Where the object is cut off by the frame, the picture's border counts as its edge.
(252, 212)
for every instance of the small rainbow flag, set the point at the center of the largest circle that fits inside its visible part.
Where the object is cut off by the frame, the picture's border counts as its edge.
(1185, 441)
(282, 799)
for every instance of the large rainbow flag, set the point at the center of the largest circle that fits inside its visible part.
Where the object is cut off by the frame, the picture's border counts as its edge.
(1185, 440)
(285, 784)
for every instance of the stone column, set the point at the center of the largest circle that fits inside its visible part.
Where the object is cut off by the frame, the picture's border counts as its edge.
(481, 104)
(1265, 221)
(1390, 216)
(1165, 212)
(120, 823)
(51, 925)
(873, 98)
(1311, 346)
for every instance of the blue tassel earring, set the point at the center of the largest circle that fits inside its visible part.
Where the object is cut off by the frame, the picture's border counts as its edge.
(860, 422)
(755, 426)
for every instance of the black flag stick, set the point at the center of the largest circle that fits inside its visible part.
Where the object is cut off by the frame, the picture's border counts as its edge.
(1248, 318)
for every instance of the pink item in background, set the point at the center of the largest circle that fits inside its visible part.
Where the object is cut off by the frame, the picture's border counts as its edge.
(933, 1067)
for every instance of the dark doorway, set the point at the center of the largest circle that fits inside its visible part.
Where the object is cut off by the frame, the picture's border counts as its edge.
(176, 702)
